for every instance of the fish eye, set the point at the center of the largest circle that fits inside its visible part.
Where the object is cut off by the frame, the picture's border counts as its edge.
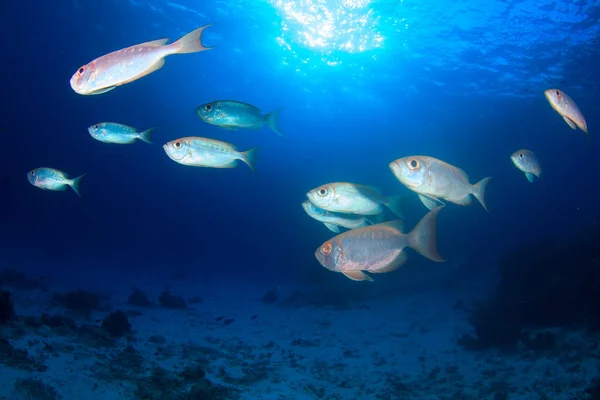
(413, 164)
(96, 127)
(326, 249)
(32, 173)
(521, 155)
(208, 107)
(177, 144)
(557, 93)
(81, 70)
(322, 192)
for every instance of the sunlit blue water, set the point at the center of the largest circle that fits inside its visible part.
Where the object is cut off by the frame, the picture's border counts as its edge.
(361, 83)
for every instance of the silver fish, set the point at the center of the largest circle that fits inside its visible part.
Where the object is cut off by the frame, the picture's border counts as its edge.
(111, 132)
(132, 63)
(53, 179)
(434, 179)
(566, 107)
(230, 114)
(334, 220)
(526, 161)
(352, 198)
(378, 248)
(203, 152)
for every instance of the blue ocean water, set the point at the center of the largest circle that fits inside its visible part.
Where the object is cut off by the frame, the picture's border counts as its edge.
(360, 83)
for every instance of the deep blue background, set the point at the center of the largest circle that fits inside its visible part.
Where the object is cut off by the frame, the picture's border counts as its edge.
(343, 123)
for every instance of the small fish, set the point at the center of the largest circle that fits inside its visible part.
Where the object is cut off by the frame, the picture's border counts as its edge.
(527, 162)
(203, 152)
(132, 63)
(567, 109)
(434, 179)
(352, 198)
(334, 220)
(228, 114)
(53, 179)
(378, 248)
(110, 132)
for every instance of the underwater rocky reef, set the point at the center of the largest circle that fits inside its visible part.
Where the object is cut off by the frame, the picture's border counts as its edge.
(554, 282)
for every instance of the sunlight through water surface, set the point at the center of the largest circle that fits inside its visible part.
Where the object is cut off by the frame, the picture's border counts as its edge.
(329, 28)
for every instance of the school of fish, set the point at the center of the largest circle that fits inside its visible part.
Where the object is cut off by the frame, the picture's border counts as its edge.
(370, 245)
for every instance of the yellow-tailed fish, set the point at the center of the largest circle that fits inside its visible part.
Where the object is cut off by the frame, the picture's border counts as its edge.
(132, 63)
(230, 114)
(378, 248)
(526, 161)
(333, 220)
(111, 132)
(434, 180)
(352, 198)
(203, 152)
(566, 107)
(53, 179)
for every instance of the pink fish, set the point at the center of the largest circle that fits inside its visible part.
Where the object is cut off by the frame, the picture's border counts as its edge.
(378, 248)
(566, 107)
(127, 65)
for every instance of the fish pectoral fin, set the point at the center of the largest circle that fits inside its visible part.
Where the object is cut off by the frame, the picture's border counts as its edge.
(357, 276)
(154, 67)
(155, 43)
(570, 123)
(429, 202)
(100, 91)
(529, 176)
(332, 227)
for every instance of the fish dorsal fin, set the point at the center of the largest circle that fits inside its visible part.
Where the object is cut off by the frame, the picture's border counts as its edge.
(397, 224)
(570, 123)
(373, 188)
(155, 43)
(357, 276)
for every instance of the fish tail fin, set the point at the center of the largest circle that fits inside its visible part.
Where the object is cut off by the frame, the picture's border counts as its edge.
(272, 120)
(75, 184)
(191, 43)
(423, 236)
(479, 191)
(249, 157)
(394, 203)
(145, 136)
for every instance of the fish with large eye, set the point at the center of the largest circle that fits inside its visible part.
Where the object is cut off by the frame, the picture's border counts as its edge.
(528, 163)
(435, 180)
(197, 151)
(566, 108)
(413, 164)
(354, 198)
(53, 179)
(378, 248)
(231, 115)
